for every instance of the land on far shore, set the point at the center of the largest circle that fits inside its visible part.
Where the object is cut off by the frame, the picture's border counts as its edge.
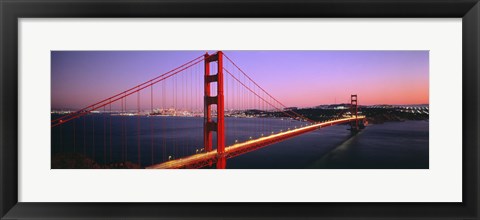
(375, 114)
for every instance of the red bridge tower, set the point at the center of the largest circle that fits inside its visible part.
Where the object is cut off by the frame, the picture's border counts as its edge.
(354, 112)
(209, 124)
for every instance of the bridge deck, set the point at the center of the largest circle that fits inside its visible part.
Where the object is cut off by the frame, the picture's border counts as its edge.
(208, 158)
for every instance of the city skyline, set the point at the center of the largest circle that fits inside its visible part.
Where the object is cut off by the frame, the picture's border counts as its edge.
(321, 77)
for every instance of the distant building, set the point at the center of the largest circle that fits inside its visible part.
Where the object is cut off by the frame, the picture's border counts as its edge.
(340, 106)
(291, 109)
(334, 106)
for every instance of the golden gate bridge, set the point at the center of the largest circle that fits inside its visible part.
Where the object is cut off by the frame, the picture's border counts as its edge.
(127, 119)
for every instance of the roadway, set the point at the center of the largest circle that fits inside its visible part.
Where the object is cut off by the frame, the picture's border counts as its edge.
(208, 158)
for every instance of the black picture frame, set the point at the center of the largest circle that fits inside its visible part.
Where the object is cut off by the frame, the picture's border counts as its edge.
(11, 10)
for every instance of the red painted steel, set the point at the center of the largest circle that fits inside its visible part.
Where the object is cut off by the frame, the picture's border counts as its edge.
(209, 100)
(222, 162)
(207, 131)
(354, 110)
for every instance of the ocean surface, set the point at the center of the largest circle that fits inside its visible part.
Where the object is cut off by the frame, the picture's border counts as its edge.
(150, 140)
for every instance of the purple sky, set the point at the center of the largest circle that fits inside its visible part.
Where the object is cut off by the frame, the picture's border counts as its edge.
(296, 78)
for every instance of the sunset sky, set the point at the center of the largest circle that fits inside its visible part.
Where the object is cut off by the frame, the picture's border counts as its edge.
(296, 78)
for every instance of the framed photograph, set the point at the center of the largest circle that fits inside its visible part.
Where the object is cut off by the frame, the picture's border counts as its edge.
(226, 109)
